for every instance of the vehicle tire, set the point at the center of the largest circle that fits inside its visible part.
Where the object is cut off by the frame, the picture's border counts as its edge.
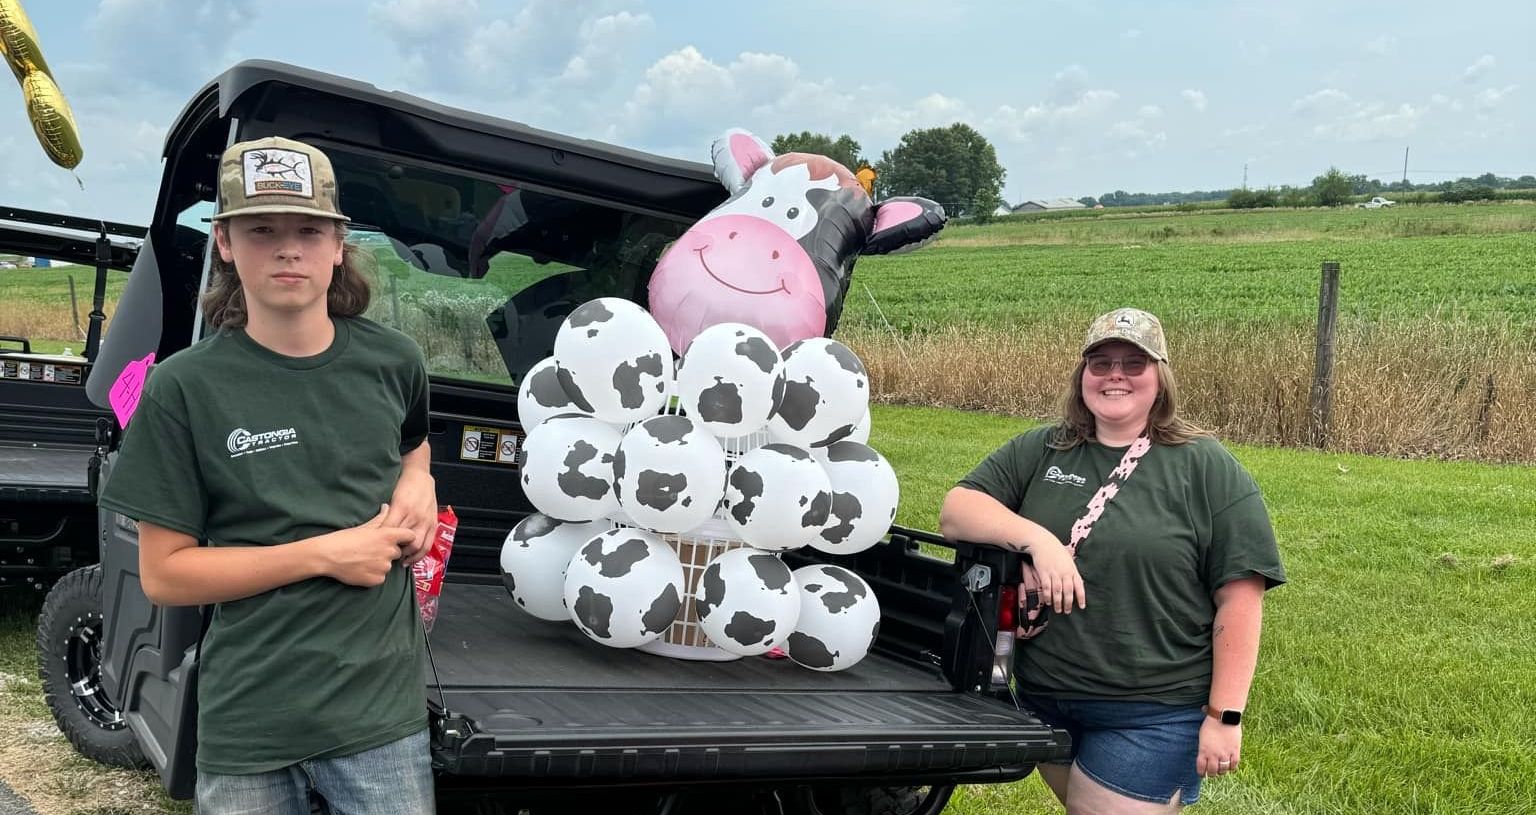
(846, 800)
(69, 632)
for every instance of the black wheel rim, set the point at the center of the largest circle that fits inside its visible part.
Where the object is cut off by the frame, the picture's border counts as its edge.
(82, 667)
(930, 799)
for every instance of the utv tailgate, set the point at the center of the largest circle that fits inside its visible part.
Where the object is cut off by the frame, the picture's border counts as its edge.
(45, 472)
(536, 702)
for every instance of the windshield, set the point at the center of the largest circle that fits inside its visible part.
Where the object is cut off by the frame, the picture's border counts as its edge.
(481, 273)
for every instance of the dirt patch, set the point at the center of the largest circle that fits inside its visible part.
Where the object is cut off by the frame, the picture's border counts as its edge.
(41, 766)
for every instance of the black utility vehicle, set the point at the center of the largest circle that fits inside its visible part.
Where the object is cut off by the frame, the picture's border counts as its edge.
(487, 233)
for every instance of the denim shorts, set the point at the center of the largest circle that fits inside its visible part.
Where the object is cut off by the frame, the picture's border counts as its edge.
(1143, 750)
(391, 779)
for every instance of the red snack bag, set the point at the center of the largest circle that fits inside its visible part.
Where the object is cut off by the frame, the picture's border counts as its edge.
(428, 572)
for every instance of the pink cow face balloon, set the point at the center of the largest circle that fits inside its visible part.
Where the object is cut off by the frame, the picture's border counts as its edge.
(779, 252)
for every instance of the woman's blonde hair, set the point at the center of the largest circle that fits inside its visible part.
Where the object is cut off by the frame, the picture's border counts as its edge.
(1164, 425)
(348, 295)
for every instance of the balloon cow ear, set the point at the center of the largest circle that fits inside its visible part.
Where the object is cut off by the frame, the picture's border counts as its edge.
(737, 155)
(903, 224)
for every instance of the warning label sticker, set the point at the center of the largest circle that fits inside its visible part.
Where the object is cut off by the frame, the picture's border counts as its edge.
(493, 445)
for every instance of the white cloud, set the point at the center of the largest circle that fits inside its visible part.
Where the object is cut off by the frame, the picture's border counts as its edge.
(1133, 133)
(1130, 34)
(1373, 122)
(1021, 125)
(166, 45)
(1244, 130)
(547, 46)
(1477, 70)
(1382, 46)
(685, 99)
(1149, 111)
(1489, 98)
(1323, 100)
(1441, 100)
(1196, 99)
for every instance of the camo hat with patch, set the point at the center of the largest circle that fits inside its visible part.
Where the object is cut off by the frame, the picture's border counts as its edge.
(276, 175)
(1130, 325)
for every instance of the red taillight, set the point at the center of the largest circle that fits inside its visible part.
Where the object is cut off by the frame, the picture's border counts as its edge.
(1007, 607)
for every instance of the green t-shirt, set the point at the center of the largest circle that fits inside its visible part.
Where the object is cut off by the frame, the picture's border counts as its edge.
(237, 445)
(1188, 520)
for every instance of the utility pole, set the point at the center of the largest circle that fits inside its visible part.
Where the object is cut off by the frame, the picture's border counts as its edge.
(1245, 175)
(1405, 165)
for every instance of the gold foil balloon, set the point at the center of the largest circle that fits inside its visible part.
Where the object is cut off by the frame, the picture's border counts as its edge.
(46, 108)
(51, 118)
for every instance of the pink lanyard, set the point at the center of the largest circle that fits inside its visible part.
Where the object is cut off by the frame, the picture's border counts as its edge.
(1034, 613)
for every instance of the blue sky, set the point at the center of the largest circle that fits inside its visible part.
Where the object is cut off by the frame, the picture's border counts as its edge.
(1080, 97)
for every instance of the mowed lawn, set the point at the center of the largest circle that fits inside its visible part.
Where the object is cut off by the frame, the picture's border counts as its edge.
(1398, 670)
(1398, 666)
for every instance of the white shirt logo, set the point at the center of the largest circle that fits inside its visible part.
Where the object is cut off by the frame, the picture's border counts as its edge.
(1054, 475)
(242, 442)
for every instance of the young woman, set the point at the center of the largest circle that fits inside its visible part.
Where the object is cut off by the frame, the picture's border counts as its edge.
(291, 443)
(1154, 632)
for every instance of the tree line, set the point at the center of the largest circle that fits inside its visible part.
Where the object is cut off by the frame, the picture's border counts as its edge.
(958, 167)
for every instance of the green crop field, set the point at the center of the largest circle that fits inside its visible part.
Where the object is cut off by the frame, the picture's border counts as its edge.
(1440, 261)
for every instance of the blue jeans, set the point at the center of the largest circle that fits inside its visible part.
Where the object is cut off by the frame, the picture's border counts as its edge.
(1142, 750)
(392, 779)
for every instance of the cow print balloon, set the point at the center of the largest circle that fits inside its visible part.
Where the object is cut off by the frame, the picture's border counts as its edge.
(826, 391)
(624, 587)
(534, 558)
(864, 498)
(747, 602)
(669, 474)
(731, 379)
(839, 618)
(777, 497)
(613, 360)
(567, 464)
(541, 396)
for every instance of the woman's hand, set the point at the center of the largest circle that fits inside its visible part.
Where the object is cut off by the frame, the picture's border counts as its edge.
(1060, 584)
(1221, 746)
(414, 506)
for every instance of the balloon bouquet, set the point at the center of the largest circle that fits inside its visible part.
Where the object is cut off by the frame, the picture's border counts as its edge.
(666, 492)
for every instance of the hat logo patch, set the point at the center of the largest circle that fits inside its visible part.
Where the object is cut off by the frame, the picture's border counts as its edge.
(1125, 321)
(277, 172)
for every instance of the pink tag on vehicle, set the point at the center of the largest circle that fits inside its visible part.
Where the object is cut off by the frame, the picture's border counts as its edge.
(125, 393)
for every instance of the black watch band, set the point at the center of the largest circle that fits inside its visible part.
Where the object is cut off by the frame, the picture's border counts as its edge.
(1228, 716)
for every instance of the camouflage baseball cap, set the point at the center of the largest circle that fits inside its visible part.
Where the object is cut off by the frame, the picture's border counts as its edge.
(1130, 325)
(276, 175)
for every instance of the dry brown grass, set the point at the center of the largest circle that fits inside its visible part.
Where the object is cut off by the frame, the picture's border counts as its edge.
(40, 765)
(39, 320)
(1424, 389)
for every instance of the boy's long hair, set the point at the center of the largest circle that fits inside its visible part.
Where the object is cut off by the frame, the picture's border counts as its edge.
(1164, 425)
(348, 295)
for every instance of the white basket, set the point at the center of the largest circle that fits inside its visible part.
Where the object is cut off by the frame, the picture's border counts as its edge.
(685, 638)
(696, 548)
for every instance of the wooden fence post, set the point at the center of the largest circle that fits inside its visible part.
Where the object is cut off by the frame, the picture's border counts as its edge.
(74, 308)
(1322, 374)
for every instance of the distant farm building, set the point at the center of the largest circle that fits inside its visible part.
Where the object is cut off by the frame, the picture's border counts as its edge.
(1048, 205)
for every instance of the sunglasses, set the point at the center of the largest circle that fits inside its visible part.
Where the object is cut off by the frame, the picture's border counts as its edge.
(1102, 364)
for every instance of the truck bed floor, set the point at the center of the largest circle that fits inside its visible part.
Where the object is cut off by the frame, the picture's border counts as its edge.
(543, 701)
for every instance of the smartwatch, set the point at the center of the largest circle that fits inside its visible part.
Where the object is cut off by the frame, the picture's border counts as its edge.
(1225, 715)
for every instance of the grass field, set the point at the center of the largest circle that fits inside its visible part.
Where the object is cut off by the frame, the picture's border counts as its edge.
(1435, 304)
(1398, 670)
